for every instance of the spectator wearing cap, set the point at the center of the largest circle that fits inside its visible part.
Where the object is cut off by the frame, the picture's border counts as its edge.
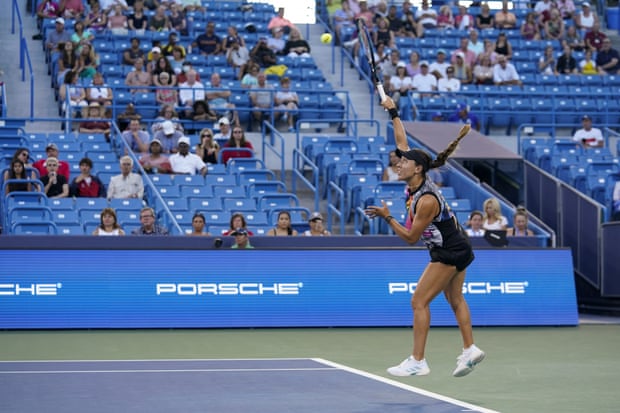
(608, 59)
(86, 184)
(191, 91)
(504, 73)
(56, 36)
(400, 84)
(133, 52)
(237, 57)
(286, 103)
(588, 136)
(136, 138)
(47, 9)
(153, 56)
(439, 66)
(424, 83)
(225, 132)
(586, 18)
(595, 38)
(154, 161)
(159, 22)
(281, 22)
(168, 136)
(127, 184)
(276, 41)
(463, 115)
(94, 122)
(187, 163)
(242, 239)
(469, 57)
(316, 226)
(51, 151)
(450, 83)
(208, 43)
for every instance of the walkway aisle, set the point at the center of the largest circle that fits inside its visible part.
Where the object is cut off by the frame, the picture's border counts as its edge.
(18, 92)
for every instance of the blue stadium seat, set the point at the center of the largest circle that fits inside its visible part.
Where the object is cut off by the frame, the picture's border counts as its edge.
(70, 229)
(90, 204)
(188, 191)
(460, 204)
(282, 201)
(193, 180)
(34, 228)
(61, 204)
(221, 180)
(205, 204)
(127, 217)
(65, 217)
(162, 179)
(249, 176)
(239, 204)
(221, 191)
(258, 188)
(126, 204)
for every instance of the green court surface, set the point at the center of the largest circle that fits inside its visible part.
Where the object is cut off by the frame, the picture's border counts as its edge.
(537, 369)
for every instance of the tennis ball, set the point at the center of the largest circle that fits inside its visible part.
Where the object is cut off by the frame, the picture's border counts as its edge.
(326, 38)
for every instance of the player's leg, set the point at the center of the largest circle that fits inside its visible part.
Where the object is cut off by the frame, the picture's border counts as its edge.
(471, 354)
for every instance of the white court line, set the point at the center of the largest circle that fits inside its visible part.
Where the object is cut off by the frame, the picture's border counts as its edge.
(468, 406)
(149, 360)
(158, 370)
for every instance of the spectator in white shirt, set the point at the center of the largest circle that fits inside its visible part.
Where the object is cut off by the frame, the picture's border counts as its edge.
(588, 136)
(185, 162)
(400, 83)
(191, 91)
(439, 67)
(424, 82)
(127, 184)
(237, 57)
(504, 73)
(449, 83)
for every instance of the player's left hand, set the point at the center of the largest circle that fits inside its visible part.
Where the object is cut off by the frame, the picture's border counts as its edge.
(374, 211)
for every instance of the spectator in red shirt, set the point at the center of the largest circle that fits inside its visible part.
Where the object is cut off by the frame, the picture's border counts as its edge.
(51, 151)
(237, 140)
(85, 184)
(595, 37)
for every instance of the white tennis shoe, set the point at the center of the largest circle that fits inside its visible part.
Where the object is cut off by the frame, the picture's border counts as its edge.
(466, 362)
(410, 367)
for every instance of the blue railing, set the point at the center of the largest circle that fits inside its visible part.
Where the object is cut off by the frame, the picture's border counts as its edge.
(24, 56)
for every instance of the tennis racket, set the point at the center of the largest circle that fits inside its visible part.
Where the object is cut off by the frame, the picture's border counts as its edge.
(369, 51)
(463, 131)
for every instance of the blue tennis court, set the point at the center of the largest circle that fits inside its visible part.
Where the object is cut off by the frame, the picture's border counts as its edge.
(231, 386)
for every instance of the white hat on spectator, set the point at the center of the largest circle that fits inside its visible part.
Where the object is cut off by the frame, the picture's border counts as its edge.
(224, 120)
(60, 20)
(168, 127)
(183, 139)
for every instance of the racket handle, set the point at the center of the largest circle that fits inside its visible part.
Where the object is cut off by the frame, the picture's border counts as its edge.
(381, 91)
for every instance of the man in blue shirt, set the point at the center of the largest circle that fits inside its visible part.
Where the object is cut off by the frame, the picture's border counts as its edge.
(463, 115)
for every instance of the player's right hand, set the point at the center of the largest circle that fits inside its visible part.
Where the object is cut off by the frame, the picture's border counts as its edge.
(388, 103)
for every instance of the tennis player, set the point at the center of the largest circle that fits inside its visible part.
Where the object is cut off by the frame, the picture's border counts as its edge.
(430, 219)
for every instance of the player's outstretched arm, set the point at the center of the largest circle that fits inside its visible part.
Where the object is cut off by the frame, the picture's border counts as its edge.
(399, 130)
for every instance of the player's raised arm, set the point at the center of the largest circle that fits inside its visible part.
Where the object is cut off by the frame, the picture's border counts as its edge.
(399, 130)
